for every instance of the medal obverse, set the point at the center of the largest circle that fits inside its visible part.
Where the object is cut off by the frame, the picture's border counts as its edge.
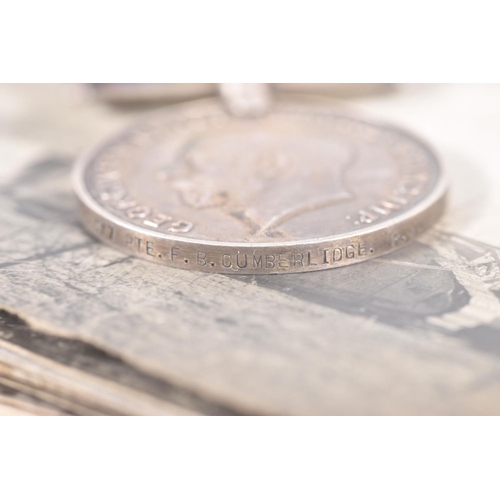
(303, 188)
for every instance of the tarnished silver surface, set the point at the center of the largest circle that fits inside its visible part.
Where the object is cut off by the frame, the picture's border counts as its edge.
(148, 93)
(303, 188)
(246, 100)
(134, 93)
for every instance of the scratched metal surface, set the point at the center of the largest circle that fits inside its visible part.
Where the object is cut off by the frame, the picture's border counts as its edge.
(415, 332)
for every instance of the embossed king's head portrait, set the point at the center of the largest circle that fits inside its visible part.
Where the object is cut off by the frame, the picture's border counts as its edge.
(262, 179)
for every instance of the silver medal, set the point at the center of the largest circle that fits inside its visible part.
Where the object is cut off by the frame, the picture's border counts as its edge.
(290, 186)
